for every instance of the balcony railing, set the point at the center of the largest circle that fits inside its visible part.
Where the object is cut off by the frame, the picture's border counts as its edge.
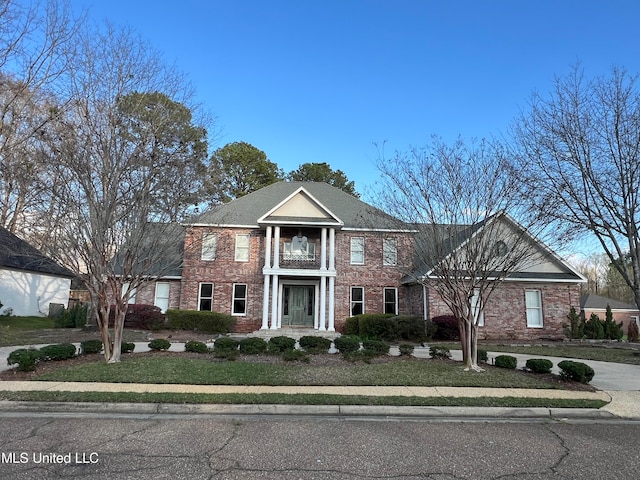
(304, 260)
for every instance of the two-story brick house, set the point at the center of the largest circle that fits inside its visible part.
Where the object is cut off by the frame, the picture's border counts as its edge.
(308, 255)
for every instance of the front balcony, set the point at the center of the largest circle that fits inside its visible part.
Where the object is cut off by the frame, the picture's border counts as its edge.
(300, 260)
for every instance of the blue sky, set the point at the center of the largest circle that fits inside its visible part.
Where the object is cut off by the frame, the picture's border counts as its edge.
(323, 80)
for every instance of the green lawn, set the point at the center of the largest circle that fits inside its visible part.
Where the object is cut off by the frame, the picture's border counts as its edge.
(177, 369)
(607, 352)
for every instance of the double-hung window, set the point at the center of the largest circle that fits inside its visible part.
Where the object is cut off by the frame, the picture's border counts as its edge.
(161, 299)
(239, 299)
(357, 301)
(205, 297)
(390, 251)
(209, 246)
(476, 308)
(391, 300)
(242, 248)
(357, 250)
(126, 287)
(533, 300)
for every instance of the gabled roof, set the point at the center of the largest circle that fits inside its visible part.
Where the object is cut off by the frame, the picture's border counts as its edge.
(591, 301)
(340, 208)
(17, 254)
(435, 242)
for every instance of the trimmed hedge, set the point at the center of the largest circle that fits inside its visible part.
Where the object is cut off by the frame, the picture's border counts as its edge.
(59, 351)
(539, 365)
(313, 344)
(90, 346)
(127, 347)
(159, 344)
(253, 345)
(506, 361)
(26, 358)
(406, 349)
(347, 344)
(438, 352)
(200, 321)
(483, 355)
(281, 344)
(375, 347)
(576, 371)
(225, 344)
(195, 346)
(386, 327)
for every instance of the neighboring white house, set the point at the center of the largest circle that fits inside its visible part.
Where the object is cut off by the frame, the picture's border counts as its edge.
(29, 281)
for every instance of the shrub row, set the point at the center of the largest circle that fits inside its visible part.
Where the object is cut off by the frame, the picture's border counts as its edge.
(200, 321)
(386, 327)
(569, 370)
(141, 316)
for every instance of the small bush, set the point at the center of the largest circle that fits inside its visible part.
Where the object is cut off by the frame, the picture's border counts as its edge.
(73, 317)
(352, 326)
(438, 352)
(196, 347)
(281, 344)
(347, 344)
(411, 328)
(200, 321)
(375, 347)
(633, 333)
(144, 317)
(60, 351)
(253, 345)
(506, 361)
(539, 365)
(159, 344)
(576, 371)
(295, 356)
(483, 356)
(90, 346)
(127, 347)
(225, 344)
(26, 358)
(446, 328)
(406, 349)
(313, 344)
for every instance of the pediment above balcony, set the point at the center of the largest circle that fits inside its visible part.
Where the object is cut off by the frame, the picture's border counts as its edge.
(300, 208)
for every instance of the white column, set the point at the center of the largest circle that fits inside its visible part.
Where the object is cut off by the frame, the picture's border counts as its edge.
(274, 303)
(265, 295)
(323, 304)
(332, 249)
(332, 302)
(323, 249)
(276, 248)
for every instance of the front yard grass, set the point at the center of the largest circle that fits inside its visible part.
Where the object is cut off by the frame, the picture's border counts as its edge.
(174, 368)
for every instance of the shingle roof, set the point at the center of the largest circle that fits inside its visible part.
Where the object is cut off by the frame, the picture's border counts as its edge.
(593, 301)
(246, 210)
(17, 254)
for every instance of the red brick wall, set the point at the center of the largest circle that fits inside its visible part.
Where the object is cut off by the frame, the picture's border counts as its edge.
(146, 294)
(623, 316)
(505, 314)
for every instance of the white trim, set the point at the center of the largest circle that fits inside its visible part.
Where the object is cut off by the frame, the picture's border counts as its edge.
(200, 295)
(389, 230)
(220, 225)
(351, 239)
(233, 300)
(289, 197)
(351, 299)
(168, 297)
(248, 247)
(539, 308)
(384, 299)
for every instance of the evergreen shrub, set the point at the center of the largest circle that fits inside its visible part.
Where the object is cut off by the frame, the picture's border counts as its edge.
(506, 361)
(200, 321)
(446, 327)
(59, 351)
(281, 344)
(159, 344)
(196, 347)
(253, 345)
(26, 358)
(347, 344)
(539, 365)
(576, 371)
(127, 347)
(406, 349)
(313, 344)
(90, 346)
(439, 353)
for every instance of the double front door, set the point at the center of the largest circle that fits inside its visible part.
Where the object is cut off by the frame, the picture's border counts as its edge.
(298, 305)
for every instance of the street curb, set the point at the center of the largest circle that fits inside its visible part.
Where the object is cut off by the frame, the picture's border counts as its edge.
(152, 409)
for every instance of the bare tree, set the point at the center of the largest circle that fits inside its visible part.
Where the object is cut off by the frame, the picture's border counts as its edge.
(458, 199)
(124, 138)
(35, 43)
(594, 268)
(579, 152)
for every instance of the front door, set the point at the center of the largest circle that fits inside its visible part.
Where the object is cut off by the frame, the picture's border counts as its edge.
(298, 305)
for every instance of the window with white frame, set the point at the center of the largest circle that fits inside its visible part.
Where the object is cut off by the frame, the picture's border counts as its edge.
(357, 250)
(242, 247)
(475, 307)
(239, 299)
(390, 251)
(161, 299)
(533, 300)
(391, 300)
(126, 287)
(205, 297)
(357, 301)
(209, 246)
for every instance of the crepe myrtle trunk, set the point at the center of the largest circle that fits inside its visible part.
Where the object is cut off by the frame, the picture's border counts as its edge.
(468, 328)
(112, 342)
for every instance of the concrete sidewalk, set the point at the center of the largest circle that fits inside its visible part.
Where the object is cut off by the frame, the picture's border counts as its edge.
(624, 397)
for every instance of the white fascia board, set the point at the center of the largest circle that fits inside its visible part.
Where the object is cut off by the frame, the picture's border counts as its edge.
(527, 280)
(220, 225)
(389, 230)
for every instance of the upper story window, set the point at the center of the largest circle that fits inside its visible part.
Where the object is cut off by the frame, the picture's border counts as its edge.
(357, 250)
(390, 251)
(533, 300)
(209, 246)
(242, 247)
